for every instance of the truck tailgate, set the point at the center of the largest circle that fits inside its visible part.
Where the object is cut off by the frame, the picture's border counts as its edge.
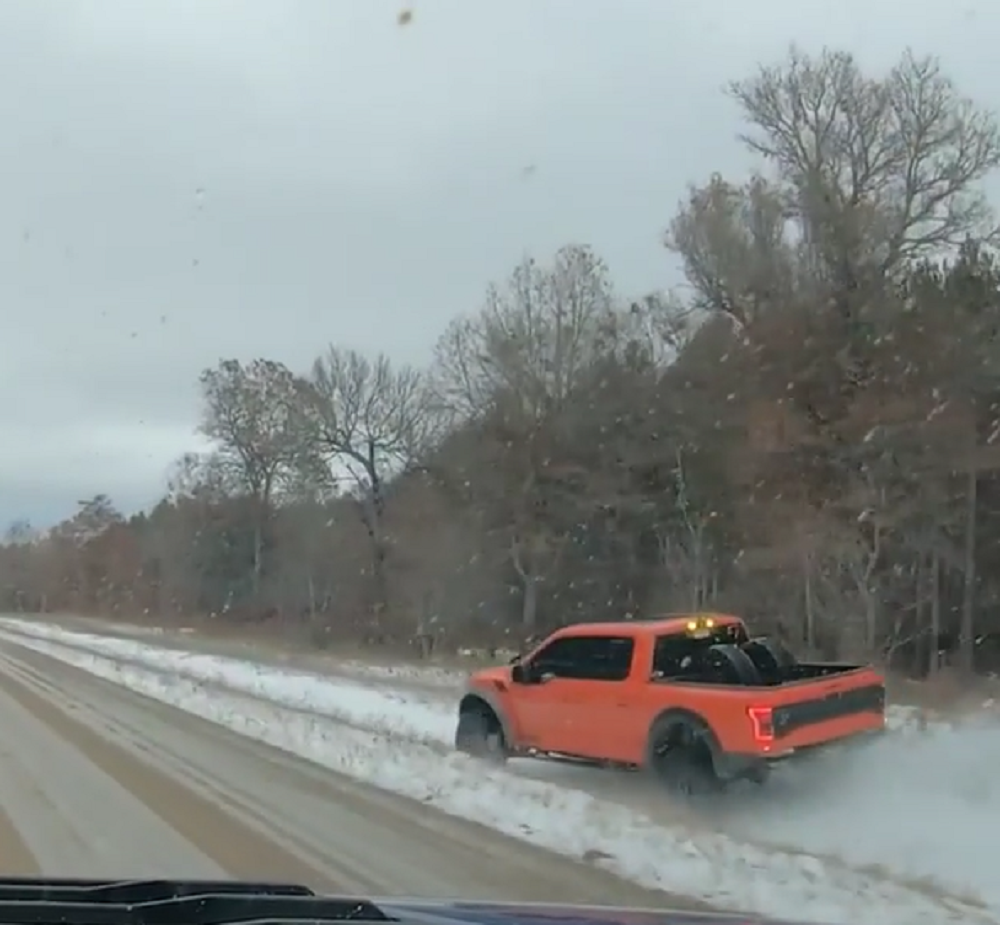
(815, 711)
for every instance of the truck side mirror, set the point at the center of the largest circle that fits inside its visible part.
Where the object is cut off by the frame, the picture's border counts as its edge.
(527, 673)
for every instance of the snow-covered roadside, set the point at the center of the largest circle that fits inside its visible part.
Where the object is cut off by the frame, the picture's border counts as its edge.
(431, 676)
(712, 866)
(425, 675)
(380, 709)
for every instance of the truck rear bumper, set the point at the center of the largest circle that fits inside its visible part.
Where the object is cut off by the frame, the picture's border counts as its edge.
(730, 766)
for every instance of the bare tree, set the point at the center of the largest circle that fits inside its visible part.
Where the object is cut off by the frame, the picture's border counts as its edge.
(883, 169)
(513, 369)
(685, 543)
(735, 247)
(69, 541)
(654, 329)
(16, 572)
(92, 518)
(533, 340)
(253, 414)
(371, 422)
(19, 532)
(205, 476)
(870, 174)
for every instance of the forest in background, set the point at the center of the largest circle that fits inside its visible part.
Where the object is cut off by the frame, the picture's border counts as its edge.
(805, 433)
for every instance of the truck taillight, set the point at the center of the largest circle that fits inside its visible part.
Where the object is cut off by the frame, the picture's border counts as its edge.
(762, 720)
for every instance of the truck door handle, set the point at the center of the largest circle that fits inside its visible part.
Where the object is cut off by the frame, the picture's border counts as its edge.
(622, 703)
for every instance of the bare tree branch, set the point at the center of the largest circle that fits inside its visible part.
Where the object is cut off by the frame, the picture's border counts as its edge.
(884, 170)
(734, 245)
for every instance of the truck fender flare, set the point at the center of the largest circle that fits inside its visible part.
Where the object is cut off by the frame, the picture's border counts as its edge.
(491, 700)
(692, 720)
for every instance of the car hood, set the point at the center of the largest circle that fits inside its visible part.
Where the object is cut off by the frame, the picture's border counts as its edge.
(181, 902)
(486, 913)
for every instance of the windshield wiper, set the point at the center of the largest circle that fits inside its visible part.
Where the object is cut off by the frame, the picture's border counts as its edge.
(43, 901)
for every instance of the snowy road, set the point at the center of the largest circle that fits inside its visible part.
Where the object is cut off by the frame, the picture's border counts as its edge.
(97, 781)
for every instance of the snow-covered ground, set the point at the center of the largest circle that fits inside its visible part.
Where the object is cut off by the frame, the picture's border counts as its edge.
(431, 676)
(898, 831)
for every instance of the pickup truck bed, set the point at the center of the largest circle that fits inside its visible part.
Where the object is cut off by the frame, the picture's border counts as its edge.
(727, 656)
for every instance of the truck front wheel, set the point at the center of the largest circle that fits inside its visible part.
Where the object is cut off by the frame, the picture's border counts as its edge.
(480, 734)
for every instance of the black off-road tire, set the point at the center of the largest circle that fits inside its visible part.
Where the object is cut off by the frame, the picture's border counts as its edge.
(731, 665)
(480, 735)
(681, 760)
(770, 657)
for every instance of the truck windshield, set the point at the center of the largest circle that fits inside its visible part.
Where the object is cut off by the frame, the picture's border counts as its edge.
(674, 655)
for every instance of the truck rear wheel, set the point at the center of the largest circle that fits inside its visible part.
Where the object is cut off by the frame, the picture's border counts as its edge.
(681, 759)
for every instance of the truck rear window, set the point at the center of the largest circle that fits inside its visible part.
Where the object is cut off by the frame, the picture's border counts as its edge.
(673, 655)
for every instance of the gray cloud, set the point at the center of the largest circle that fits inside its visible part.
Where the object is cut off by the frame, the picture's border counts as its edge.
(187, 180)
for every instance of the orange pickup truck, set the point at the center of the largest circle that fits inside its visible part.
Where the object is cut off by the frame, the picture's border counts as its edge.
(692, 698)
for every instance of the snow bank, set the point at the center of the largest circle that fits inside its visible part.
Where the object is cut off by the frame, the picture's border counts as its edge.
(426, 675)
(379, 709)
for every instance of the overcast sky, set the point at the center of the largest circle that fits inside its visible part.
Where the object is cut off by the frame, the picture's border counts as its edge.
(193, 179)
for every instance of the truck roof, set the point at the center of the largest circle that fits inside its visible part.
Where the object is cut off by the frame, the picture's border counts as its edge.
(664, 625)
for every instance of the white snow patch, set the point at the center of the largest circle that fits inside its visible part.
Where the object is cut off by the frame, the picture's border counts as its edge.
(425, 675)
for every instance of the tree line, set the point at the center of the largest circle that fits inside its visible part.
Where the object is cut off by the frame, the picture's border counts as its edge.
(805, 433)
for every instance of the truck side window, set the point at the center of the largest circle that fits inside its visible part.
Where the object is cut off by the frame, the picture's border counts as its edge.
(677, 656)
(673, 656)
(590, 658)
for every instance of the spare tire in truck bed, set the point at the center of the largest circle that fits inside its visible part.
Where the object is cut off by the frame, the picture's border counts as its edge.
(731, 665)
(771, 659)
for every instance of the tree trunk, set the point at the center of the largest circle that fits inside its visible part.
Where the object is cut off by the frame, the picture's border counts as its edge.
(529, 605)
(935, 595)
(258, 550)
(810, 615)
(966, 638)
(375, 509)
